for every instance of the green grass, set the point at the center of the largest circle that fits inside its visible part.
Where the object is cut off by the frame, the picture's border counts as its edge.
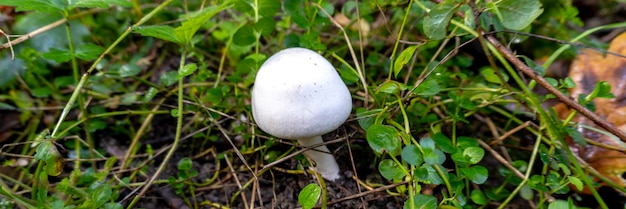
(109, 103)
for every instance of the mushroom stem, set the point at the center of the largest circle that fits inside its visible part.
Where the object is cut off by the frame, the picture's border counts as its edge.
(325, 163)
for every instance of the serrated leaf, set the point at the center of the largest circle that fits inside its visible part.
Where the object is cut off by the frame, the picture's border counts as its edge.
(402, 59)
(438, 19)
(98, 3)
(163, 32)
(58, 55)
(88, 52)
(576, 135)
(518, 14)
(309, 196)
(382, 138)
(390, 170)
(576, 182)
(189, 27)
(35, 5)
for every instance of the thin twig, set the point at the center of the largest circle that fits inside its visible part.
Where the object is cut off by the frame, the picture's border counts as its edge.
(541, 81)
(48, 27)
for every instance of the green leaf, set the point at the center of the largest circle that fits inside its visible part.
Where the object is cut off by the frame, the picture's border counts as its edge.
(430, 87)
(559, 204)
(412, 155)
(309, 196)
(265, 26)
(478, 197)
(41, 92)
(101, 194)
(428, 174)
(444, 143)
(184, 164)
(437, 20)
(433, 156)
(576, 182)
(189, 27)
(269, 8)
(474, 154)
(601, 90)
(48, 153)
(35, 5)
(421, 201)
(382, 138)
(88, 52)
(392, 87)
(489, 74)
(162, 32)
(390, 170)
(477, 174)
(98, 3)
(518, 14)
(58, 55)
(188, 69)
(402, 59)
(128, 70)
(244, 36)
(576, 135)
(169, 78)
(526, 192)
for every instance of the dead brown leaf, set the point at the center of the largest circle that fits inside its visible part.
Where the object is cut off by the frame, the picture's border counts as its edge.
(586, 70)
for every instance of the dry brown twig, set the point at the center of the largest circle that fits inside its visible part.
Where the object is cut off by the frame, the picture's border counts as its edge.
(9, 43)
(508, 54)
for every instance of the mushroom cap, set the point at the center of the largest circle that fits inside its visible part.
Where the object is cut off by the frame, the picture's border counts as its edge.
(298, 94)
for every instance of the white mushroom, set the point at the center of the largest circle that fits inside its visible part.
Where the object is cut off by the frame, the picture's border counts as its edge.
(298, 95)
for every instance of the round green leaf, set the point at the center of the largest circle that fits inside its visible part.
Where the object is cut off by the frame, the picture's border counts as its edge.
(244, 36)
(474, 154)
(412, 155)
(477, 174)
(309, 196)
(434, 156)
(185, 164)
(265, 26)
(422, 201)
(518, 14)
(478, 197)
(390, 170)
(382, 137)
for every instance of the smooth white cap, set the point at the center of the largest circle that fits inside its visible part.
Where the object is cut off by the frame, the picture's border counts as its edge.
(297, 94)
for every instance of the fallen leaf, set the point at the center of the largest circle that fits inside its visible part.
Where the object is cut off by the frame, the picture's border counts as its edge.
(589, 68)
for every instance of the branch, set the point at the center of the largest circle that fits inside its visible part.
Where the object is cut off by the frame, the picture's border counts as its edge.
(568, 101)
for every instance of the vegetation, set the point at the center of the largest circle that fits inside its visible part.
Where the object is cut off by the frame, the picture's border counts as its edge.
(110, 103)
